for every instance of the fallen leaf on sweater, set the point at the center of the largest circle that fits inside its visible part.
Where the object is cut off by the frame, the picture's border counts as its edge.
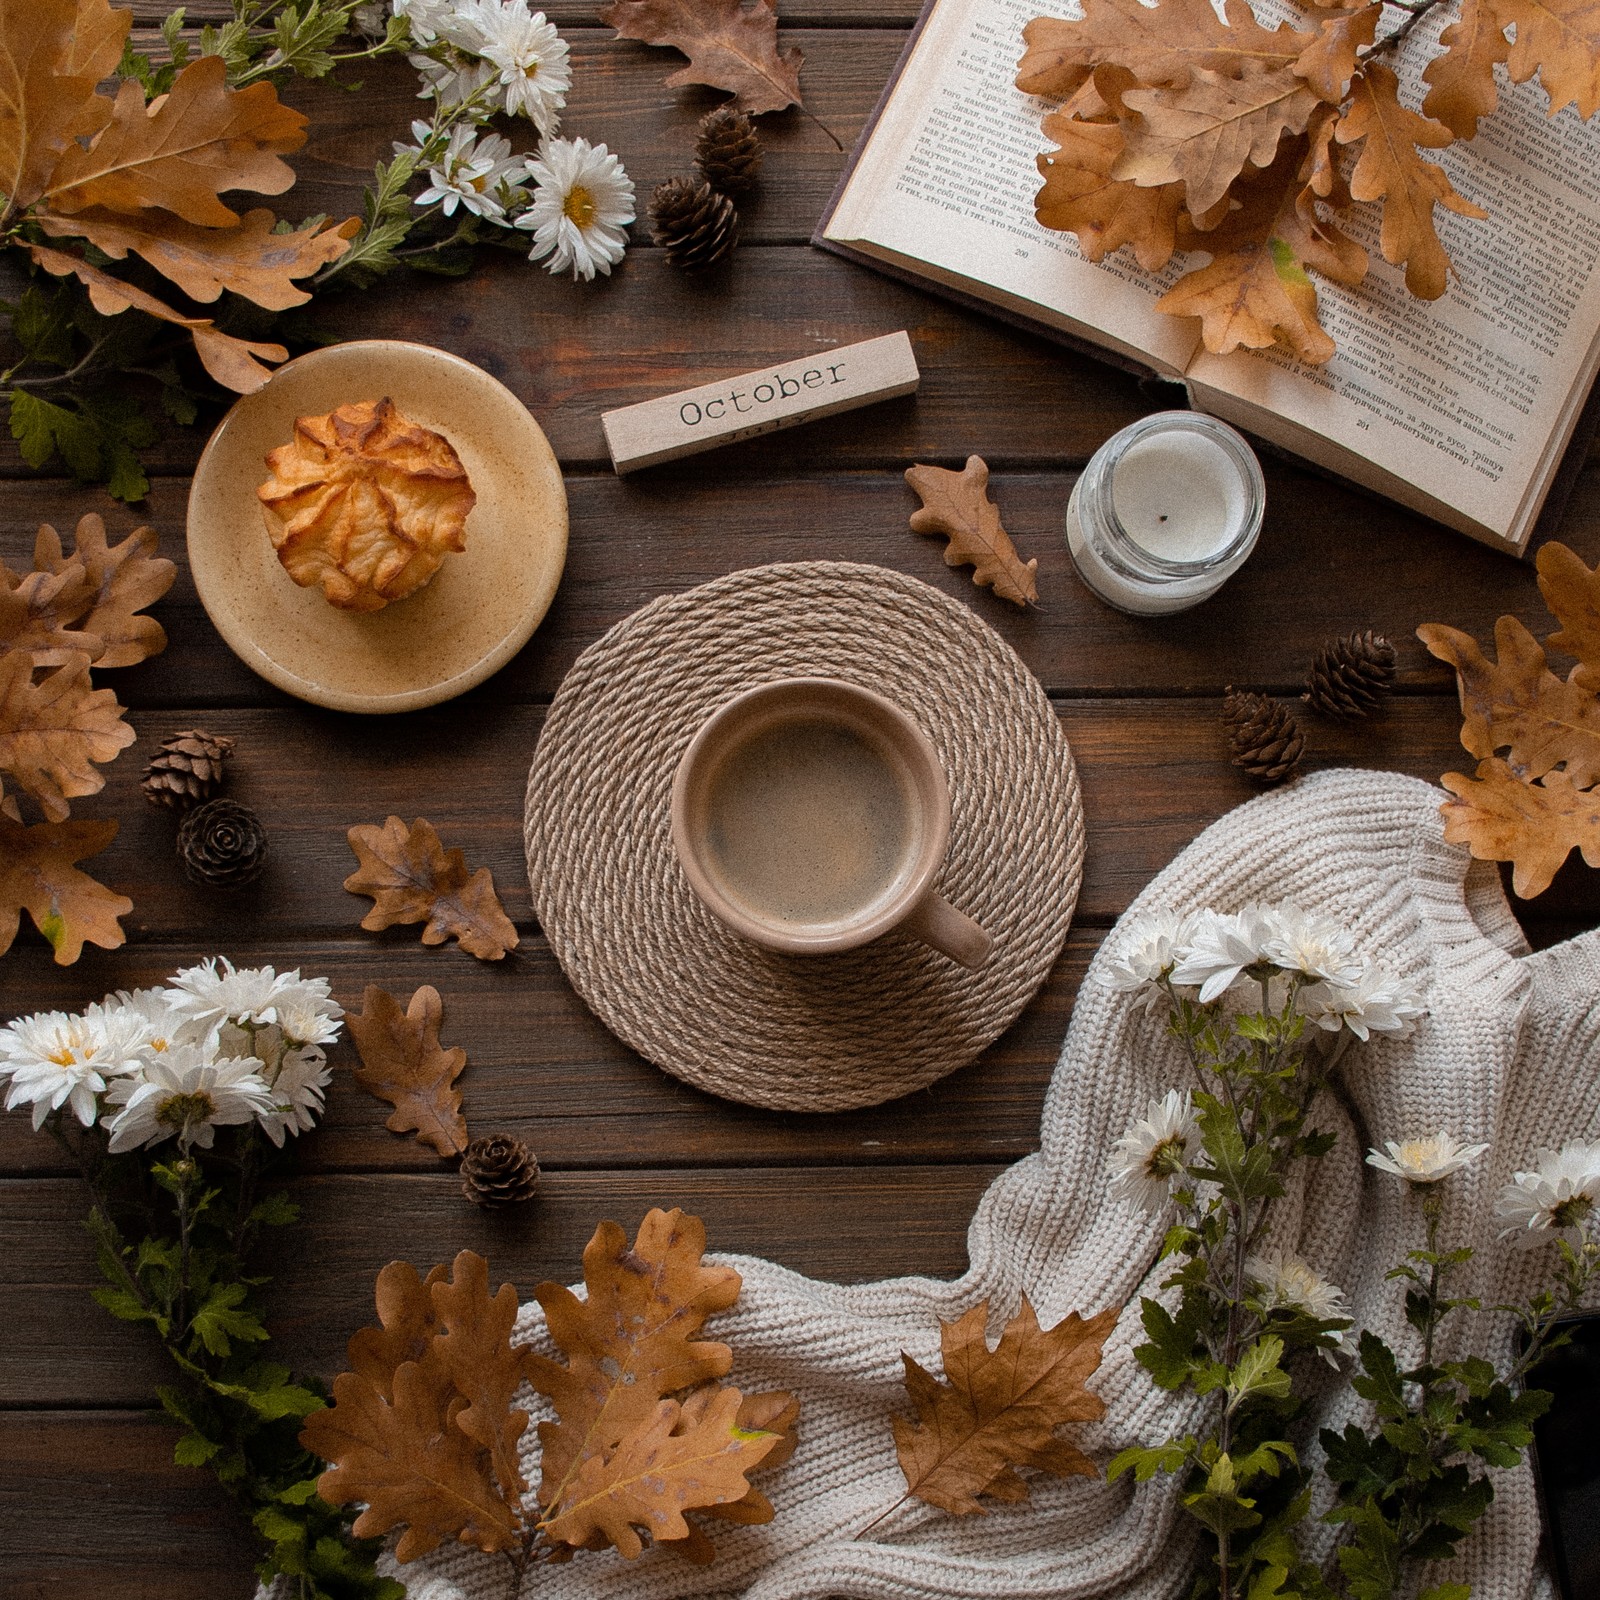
(52, 733)
(999, 1409)
(406, 1325)
(1535, 826)
(411, 877)
(403, 1062)
(956, 506)
(111, 585)
(39, 875)
(731, 44)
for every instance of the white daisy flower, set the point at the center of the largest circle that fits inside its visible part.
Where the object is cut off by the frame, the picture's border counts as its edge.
(297, 1093)
(216, 992)
(468, 173)
(1146, 1159)
(187, 1094)
(1147, 950)
(1376, 1003)
(162, 1024)
(1289, 1282)
(57, 1058)
(453, 82)
(425, 18)
(531, 59)
(582, 203)
(371, 20)
(1219, 948)
(1425, 1160)
(307, 1015)
(1557, 1196)
(1309, 943)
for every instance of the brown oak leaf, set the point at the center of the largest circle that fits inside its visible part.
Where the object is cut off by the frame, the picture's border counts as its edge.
(406, 1326)
(999, 1409)
(956, 506)
(1392, 168)
(39, 875)
(37, 610)
(731, 44)
(53, 732)
(1517, 704)
(1159, 44)
(181, 151)
(111, 585)
(1572, 592)
(1535, 826)
(254, 259)
(1331, 59)
(1461, 86)
(403, 1062)
(1205, 132)
(235, 363)
(411, 877)
(1559, 40)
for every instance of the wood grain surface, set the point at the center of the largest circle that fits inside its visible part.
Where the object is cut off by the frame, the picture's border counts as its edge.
(90, 1503)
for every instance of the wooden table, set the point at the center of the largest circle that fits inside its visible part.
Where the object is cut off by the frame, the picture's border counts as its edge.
(90, 1502)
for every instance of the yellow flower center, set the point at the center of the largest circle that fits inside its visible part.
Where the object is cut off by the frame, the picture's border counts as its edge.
(579, 207)
(64, 1057)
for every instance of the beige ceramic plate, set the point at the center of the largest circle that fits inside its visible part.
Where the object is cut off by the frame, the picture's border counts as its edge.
(468, 622)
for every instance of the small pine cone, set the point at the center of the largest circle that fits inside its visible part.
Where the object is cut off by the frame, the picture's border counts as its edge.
(187, 769)
(1351, 676)
(694, 224)
(1264, 737)
(498, 1171)
(728, 151)
(222, 844)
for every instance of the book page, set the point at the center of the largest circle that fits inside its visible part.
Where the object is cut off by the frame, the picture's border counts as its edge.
(949, 175)
(1469, 398)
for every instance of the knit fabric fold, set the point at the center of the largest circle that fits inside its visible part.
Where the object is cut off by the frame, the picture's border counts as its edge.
(1506, 1054)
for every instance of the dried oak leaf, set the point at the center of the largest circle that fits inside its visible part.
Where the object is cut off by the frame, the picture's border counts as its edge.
(1572, 592)
(234, 363)
(254, 259)
(1558, 39)
(1461, 86)
(1517, 704)
(111, 585)
(407, 1324)
(183, 149)
(1392, 168)
(413, 878)
(38, 875)
(37, 610)
(999, 1409)
(1332, 58)
(1535, 826)
(403, 1062)
(1160, 44)
(54, 731)
(956, 506)
(731, 44)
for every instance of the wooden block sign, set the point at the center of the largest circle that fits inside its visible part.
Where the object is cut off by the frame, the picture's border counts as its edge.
(758, 402)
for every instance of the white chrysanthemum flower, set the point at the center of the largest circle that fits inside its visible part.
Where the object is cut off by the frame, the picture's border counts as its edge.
(1425, 1160)
(308, 1015)
(582, 203)
(1218, 949)
(1289, 1282)
(57, 1058)
(469, 172)
(371, 20)
(1146, 1159)
(451, 82)
(216, 992)
(1310, 943)
(425, 18)
(162, 1024)
(1558, 1195)
(1147, 950)
(531, 59)
(297, 1093)
(187, 1094)
(1376, 1003)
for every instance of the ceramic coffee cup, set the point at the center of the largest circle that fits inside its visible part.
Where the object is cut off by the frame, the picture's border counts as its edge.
(812, 816)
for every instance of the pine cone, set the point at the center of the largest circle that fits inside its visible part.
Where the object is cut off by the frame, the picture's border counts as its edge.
(498, 1171)
(728, 151)
(1351, 676)
(222, 844)
(187, 769)
(694, 224)
(1264, 738)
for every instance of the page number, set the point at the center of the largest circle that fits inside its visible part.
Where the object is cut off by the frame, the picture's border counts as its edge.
(1021, 252)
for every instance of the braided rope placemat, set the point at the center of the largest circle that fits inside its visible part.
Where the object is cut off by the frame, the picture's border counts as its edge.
(798, 1033)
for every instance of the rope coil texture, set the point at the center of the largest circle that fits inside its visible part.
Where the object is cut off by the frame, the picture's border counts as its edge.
(799, 1033)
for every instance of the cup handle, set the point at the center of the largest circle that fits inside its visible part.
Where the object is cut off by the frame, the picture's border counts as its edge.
(953, 933)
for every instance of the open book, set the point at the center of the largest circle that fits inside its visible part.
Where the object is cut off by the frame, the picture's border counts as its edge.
(1459, 408)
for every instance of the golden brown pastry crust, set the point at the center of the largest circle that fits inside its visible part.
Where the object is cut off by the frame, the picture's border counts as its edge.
(365, 502)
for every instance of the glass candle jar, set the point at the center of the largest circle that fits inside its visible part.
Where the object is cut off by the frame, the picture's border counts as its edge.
(1165, 513)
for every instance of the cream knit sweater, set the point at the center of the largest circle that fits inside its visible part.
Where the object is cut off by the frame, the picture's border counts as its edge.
(1506, 1054)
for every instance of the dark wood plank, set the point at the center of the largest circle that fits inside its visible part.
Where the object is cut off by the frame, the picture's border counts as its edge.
(1369, 565)
(579, 13)
(91, 1505)
(846, 1224)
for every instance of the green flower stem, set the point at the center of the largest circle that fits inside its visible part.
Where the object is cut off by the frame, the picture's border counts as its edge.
(265, 69)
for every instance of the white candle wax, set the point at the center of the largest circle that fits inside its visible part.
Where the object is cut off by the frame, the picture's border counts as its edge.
(1165, 512)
